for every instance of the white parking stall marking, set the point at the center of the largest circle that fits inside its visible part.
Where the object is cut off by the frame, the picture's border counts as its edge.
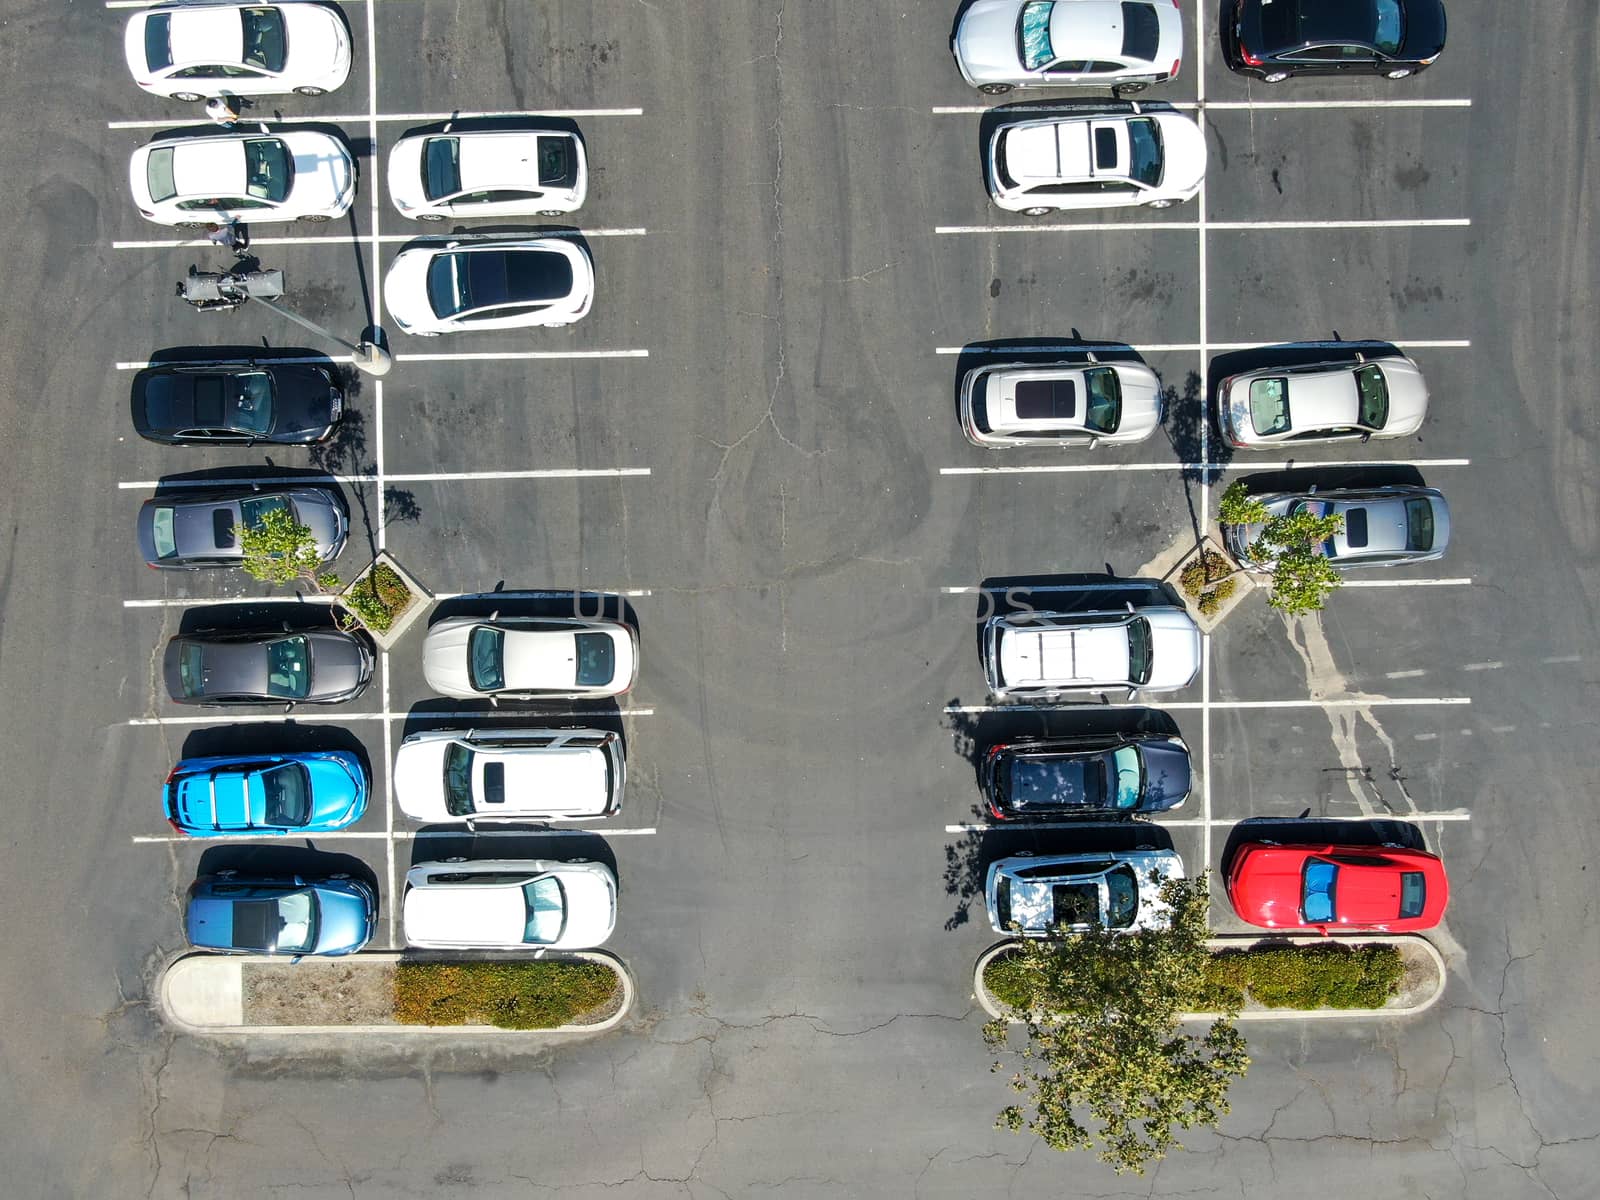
(427, 477)
(1216, 105)
(342, 835)
(1412, 674)
(349, 239)
(1206, 823)
(1186, 347)
(1215, 226)
(1401, 583)
(399, 835)
(388, 806)
(279, 718)
(409, 118)
(407, 835)
(387, 716)
(1088, 706)
(521, 355)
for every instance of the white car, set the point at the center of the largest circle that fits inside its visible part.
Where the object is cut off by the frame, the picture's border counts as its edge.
(450, 775)
(1060, 404)
(237, 48)
(1378, 397)
(509, 905)
(1122, 44)
(1155, 649)
(296, 175)
(488, 285)
(1104, 159)
(492, 173)
(530, 658)
(1073, 893)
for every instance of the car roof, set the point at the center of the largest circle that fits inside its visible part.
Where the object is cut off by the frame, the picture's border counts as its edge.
(467, 913)
(547, 780)
(1087, 29)
(540, 658)
(1375, 526)
(1040, 151)
(209, 166)
(234, 668)
(209, 34)
(1324, 399)
(498, 160)
(1087, 654)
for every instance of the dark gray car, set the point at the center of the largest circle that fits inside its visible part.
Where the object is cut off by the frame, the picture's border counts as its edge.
(191, 531)
(1093, 775)
(321, 666)
(236, 403)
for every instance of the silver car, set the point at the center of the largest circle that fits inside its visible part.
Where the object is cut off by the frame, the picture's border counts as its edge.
(1121, 44)
(1155, 649)
(1381, 396)
(1073, 893)
(1060, 404)
(530, 658)
(1383, 527)
(197, 530)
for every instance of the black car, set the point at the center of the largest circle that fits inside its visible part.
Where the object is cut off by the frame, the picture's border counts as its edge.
(1274, 39)
(234, 403)
(322, 666)
(1103, 775)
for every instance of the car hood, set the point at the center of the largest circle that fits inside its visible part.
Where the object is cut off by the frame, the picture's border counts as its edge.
(345, 919)
(1425, 29)
(405, 173)
(444, 657)
(1166, 775)
(405, 290)
(1265, 889)
(1183, 149)
(419, 778)
(986, 41)
(339, 665)
(319, 44)
(324, 172)
(1174, 649)
(338, 789)
(591, 910)
(1408, 397)
(1141, 401)
(305, 400)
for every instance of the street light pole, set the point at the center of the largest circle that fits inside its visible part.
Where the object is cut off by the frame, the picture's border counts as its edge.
(368, 356)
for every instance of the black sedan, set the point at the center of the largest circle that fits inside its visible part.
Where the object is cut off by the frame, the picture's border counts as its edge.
(1099, 775)
(236, 403)
(1274, 39)
(323, 666)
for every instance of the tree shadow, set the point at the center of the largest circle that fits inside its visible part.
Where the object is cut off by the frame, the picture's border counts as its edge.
(1194, 440)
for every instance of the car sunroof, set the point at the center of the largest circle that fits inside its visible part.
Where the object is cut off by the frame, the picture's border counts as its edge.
(1046, 399)
(1355, 528)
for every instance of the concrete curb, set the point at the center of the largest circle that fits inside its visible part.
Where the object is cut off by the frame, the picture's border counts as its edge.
(204, 994)
(1441, 977)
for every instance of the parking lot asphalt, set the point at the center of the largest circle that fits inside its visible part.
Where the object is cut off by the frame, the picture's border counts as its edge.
(752, 441)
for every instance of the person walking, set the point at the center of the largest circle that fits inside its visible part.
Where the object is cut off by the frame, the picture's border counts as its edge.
(221, 110)
(231, 235)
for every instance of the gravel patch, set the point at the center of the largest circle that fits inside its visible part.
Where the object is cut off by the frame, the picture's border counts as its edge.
(319, 993)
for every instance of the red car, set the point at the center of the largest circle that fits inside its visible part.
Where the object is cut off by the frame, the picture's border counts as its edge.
(1335, 889)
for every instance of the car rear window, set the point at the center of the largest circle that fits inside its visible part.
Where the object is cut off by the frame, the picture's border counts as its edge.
(1033, 34)
(1269, 405)
(1413, 893)
(1047, 400)
(158, 175)
(1419, 525)
(166, 542)
(191, 670)
(158, 41)
(1141, 31)
(1374, 396)
(441, 167)
(558, 165)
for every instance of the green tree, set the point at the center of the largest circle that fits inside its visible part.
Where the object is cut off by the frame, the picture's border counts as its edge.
(278, 549)
(1106, 1063)
(1290, 546)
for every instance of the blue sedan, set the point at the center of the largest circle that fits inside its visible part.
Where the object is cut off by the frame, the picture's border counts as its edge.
(280, 916)
(266, 795)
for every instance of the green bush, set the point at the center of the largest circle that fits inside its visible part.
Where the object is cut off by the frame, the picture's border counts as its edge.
(511, 995)
(378, 598)
(1211, 601)
(1301, 977)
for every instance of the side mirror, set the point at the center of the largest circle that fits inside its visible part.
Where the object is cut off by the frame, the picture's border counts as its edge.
(296, 959)
(1360, 357)
(1312, 489)
(1365, 438)
(494, 615)
(448, 126)
(286, 627)
(1093, 442)
(494, 701)
(1128, 604)
(262, 125)
(1092, 357)
(288, 706)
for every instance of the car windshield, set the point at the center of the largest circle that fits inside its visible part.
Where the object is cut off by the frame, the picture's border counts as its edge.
(1128, 768)
(268, 169)
(191, 670)
(558, 166)
(1269, 405)
(547, 910)
(287, 791)
(486, 659)
(1141, 30)
(1139, 650)
(1105, 399)
(597, 659)
(1419, 524)
(158, 175)
(1144, 151)
(1122, 897)
(1317, 891)
(289, 667)
(166, 542)
(252, 403)
(1389, 24)
(1413, 893)
(1033, 34)
(1374, 394)
(441, 167)
(263, 38)
(458, 780)
(255, 508)
(158, 40)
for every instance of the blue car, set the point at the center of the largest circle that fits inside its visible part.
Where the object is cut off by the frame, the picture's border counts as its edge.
(266, 795)
(280, 916)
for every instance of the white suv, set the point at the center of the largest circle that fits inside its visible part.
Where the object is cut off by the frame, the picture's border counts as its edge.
(1154, 649)
(509, 905)
(450, 775)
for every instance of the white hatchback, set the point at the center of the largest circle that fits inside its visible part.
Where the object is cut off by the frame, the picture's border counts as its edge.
(1125, 45)
(296, 175)
(492, 904)
(449, 775)
(1103, 159)
(458, 287)
(237, 48)
(1155, 649)
(488, 173)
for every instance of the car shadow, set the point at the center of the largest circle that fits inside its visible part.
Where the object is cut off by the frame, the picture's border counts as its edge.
(287, 616)
(538, 602)
(440, 843)
(509, 124)
(1301, 479)
(445, 713)
(279, 860)
(285, 737)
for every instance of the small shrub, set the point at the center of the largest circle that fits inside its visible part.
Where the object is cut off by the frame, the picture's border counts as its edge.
(1305, 977)
(1212, 600)
(1010, 980)
(378, 598)
(522, 995)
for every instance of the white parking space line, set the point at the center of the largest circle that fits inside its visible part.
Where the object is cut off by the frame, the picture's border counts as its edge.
(398, 835)
(1071, 468)
(496, 714)
(427, 477)
(418, 835)
(521, 355)
(1214, 226)
(388, 773)
(202, 601)
(1219, 105)
(1401, 583)
(1075, 227)
(1088, 706)
(212, 362)
(1287, 464)
(1415, 673)
(1392, 223)
(401, 118)
(1482, 666)
(1183, 347)
(1206, 823)
(541, 595)
(346, 239)
(1205, 742)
